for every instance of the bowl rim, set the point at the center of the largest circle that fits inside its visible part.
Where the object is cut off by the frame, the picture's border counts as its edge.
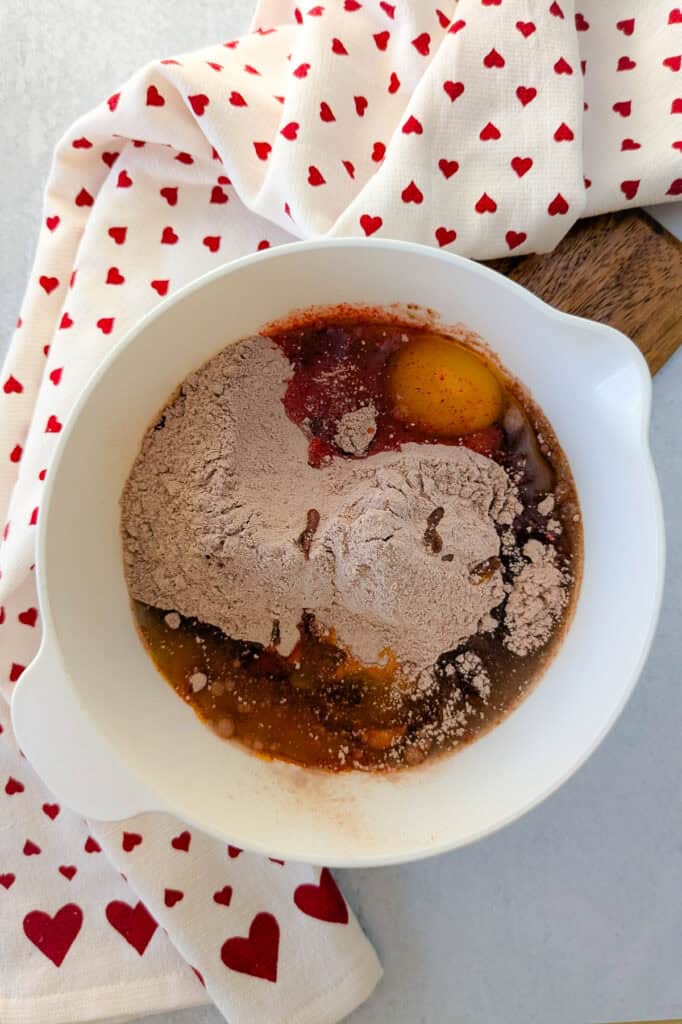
(50, 642)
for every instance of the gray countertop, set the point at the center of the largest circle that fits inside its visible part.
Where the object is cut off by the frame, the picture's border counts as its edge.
(573, 913)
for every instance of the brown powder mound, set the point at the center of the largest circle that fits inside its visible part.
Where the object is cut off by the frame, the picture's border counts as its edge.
(356, 430)
(224, 520)
(537, 599)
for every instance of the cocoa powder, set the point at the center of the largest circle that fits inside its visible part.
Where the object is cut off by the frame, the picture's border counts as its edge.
(220, 498)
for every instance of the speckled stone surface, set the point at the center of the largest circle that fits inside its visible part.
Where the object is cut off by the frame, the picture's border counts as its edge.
(574, 913)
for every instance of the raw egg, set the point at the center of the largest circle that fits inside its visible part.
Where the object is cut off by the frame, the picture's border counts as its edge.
(442, 387)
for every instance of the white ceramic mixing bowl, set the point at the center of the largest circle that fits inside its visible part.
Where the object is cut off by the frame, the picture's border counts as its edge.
(111, 738)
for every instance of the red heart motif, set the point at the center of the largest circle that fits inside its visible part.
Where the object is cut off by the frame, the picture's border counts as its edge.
(676, 106)
(124, 180)
(360, 105)
(198, 103)
(54, 936)
(677, 145)
(387, 8)
(521, 164)
(249, 68)
(256, 955)
(13, 786)
(53, 425)
(51, 810)
(562, 67)
(378, 152)
(675, 188)
(623, 107)
(135, 924)
(629, 188)
(114, 276)
(444, 236)
(526, 94)
(628, 144)
(448, 167)
(493, 59)
(217, 195)
(14, 456)
(581, 23)
(556, 10)
(185, 158)
(212, 242)
(515, 238)
(489, 132)
(339, 48)
(422, 43)
(393, 83)
(168, 236)
(626, 26)
(324, 901)
(326, 112)
(182, 841)
(118, 235)
(262, 150)
(106, 324)
(29, 617)
(625, 64)
(485, 204)
(65, 322)
(302, 70)
(315, 177)
(558, 205)
(32, 522)
(160, 286)
(234, 851)
(84, 198)
(370, 225)
(7, 880)
(412, 194)
(223, 896)
(563, 133)
(264, 244)
(237, 100)
(56, 375)
(352, 5)
(412, 126)
(52, 223)
(154, 97)
(82, 143)
(290, 131)
(674, 63)
(138, 143)
(453, 89)
(42, 474)
(675, 16)
(12, 386)
(68, 870)
(110, 158)
(92, 846)
(112, 102)
(172, 896)
(31, 849)
(48, 284)
(130, 841)
(381, 39)
(15, 668)
(526, 28)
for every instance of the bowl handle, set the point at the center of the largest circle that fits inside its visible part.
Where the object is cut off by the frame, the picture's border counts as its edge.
(71, 757)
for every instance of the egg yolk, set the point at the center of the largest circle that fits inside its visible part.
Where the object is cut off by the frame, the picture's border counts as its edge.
(441, 387)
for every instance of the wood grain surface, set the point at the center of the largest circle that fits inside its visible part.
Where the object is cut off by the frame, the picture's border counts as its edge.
(621, 269)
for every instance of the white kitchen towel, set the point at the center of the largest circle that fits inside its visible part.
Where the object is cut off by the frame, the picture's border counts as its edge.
(484, 126)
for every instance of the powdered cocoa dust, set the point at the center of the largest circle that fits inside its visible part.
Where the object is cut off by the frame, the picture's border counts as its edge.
(221, 494)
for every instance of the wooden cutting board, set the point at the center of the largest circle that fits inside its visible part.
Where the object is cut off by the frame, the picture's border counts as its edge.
(621, 269)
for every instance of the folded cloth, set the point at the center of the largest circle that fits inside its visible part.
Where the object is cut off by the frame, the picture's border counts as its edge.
(484, 126)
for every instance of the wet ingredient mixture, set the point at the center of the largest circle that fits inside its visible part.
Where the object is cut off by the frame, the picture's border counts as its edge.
(351, 544)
